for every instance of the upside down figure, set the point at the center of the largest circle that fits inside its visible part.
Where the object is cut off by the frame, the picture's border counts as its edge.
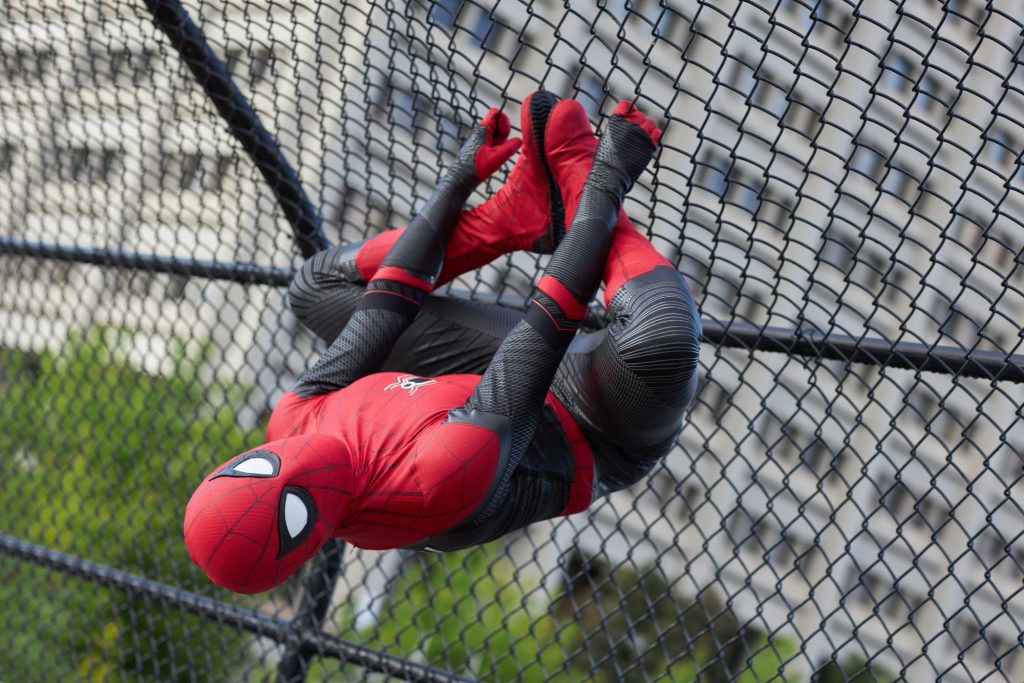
(437, 423)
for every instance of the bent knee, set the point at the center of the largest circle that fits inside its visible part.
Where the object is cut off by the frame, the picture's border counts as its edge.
(658, 323)
(325, 289)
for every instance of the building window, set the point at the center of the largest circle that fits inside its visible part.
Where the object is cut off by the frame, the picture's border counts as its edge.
(591, 88)
(667, 24)
(775, 211)
(742, 190)
(782, 555)
(745, 532)
(799, 14)
(897, 72)
(898, 183)
(801, 117)
(836, 15)
(815, 456)
(929, 93)
(896, 500)
(448, 134)
(7, 151)
(1003, 148)
(115, 66)
(869, 268)
(404, 112)
(782, 439)
(741, 78)
(721, 293)
(959, 327)
(84, 164)
(486, 33)
(198, 172)
(770, 97)
(838, 250)
(931, 512)
(990, 547)
(970, 231)
(924, 404)
(251, 67)
(965, 10)
(867, 162)
(838, 462)
(711, 174)
(26, 65)
(714, 399)
(966, 632)
(444, 12)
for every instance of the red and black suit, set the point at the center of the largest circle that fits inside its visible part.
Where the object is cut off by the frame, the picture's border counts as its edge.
(441, 423)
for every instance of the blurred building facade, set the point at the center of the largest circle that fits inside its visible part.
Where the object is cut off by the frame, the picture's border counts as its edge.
(820, 170)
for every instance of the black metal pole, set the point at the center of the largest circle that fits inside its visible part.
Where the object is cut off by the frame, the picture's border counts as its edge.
(313, 603)
(947, 360)
(261, 624)
(245, 273)
(243, 121)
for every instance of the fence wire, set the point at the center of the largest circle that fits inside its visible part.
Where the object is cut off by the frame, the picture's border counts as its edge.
(841, 183)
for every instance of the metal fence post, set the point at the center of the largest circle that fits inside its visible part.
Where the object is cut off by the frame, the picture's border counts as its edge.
(313, 603)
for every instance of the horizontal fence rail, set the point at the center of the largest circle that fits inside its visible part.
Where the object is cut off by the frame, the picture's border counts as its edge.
(279, 630)
(797, 342)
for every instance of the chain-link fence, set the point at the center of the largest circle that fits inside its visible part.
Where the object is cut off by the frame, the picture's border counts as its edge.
(840, 181)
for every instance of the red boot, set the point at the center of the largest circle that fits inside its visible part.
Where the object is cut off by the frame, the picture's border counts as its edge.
(570, 146)
(524, 214)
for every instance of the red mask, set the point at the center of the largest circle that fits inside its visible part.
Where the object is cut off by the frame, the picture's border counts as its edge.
(256, 518)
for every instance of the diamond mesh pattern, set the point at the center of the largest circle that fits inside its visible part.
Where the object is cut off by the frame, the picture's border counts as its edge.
(830, 170)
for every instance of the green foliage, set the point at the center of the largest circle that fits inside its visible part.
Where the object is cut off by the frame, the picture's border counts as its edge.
(853, 670)
(99, 460)
(472, 613)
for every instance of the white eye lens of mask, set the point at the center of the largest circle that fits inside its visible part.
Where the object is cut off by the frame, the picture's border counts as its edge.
(257, 465)
(295, 514)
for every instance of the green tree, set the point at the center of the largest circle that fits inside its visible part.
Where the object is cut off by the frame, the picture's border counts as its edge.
(469, 613)
(99, 460)
(472, 613)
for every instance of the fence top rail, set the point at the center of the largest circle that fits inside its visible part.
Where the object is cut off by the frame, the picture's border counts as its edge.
(807, 342)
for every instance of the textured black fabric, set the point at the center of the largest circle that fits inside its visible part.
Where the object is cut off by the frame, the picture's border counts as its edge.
(514, 385)
(452, 336)
(420, 249)
(324, 292)
(359, 350)
(629, 384)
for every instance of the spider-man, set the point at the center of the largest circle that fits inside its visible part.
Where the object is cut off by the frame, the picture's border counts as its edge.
(441, 423)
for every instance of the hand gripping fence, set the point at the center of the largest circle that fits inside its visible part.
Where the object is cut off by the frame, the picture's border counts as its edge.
(839, 181)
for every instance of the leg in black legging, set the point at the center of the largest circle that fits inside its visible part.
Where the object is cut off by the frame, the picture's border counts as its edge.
(449, 336)
(629, 384)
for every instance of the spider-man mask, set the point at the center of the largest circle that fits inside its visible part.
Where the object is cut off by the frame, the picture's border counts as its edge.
(260, 515)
